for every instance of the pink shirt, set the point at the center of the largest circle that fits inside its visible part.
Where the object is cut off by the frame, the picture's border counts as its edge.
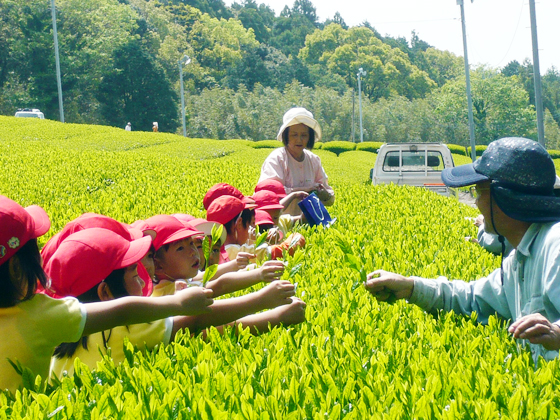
(282, 166)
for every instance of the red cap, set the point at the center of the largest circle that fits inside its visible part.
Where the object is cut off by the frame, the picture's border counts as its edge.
(200, 224)
(221, 189)
(267, 200)
(87, 221)
(262, 218)
(224, 209)
(19, 225)
(168, 229)
(85, 258)
(272, 185)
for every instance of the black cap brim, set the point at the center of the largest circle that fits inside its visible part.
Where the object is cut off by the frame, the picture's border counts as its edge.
(461, 176)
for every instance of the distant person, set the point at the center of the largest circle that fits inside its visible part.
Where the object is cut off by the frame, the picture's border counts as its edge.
(514, 187)
(294, 165)
(155, 127)
(128, 127)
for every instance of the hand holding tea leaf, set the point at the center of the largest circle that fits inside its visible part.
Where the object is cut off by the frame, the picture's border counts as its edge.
(538, 330)
(243, 259)
(271, 270)
(388, 287)
(277, 293)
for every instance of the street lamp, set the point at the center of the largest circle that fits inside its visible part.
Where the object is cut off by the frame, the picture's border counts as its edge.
(183, 62)
(361, 73)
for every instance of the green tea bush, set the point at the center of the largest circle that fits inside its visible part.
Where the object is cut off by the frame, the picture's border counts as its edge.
(554, 154)
(355, 358)
(318, 145)
(369, 146)
(455, 148)
(339, 147)
(270, 144)
(479, 150)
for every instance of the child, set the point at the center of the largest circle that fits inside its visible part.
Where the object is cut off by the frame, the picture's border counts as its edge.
(37, 323)
(72, 275)
(91, 220)
(229, 211)
(176, 241)
(286, 222)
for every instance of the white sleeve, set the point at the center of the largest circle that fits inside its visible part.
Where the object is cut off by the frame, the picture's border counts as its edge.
(273, 167)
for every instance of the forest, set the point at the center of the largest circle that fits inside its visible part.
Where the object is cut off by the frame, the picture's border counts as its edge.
(120, 62)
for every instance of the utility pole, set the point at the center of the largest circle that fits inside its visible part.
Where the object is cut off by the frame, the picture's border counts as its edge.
(468, 79)
(183, 61)
(361, 73)
(537, 74)
(57, 60)
(353, 114)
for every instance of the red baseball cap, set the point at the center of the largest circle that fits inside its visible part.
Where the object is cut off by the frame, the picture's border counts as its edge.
(85, 258)
(262, 218)
(222, 189)
(200, 224)
(273, 185)
(19, 225)
(88, 221)
(224, 209)
(168, 229)
(267, 200)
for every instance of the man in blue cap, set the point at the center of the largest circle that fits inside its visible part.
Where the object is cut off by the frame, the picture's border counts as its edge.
(514, 190)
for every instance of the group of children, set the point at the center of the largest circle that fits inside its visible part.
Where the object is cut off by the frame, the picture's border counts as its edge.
(88, 288)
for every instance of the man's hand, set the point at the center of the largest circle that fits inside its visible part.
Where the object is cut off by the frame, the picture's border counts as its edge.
(538, 330)
(386, 286)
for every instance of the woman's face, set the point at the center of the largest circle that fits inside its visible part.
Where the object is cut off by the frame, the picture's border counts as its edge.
(298, 136)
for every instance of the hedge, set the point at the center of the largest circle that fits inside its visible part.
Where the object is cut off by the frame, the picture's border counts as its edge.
(339, 147)
(369, 146)
(479, 150)
(266, 144)
(455, 148)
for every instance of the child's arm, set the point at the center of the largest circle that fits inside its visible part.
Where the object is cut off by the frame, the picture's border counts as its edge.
(291, 314)
(103, 316)
(239, 280)
(240, 262)
(228, 310)
(295, 194)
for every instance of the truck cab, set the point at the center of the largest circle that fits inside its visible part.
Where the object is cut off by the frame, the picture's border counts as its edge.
(416, 164)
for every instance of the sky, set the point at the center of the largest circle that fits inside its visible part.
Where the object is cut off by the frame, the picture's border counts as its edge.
(498, 31)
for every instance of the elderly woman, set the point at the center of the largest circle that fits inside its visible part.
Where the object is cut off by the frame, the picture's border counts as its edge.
(298, 169)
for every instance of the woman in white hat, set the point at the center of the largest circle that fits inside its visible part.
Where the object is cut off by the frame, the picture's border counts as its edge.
(294, 165)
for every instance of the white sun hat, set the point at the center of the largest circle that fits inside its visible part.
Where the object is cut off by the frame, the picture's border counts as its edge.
(299, 116)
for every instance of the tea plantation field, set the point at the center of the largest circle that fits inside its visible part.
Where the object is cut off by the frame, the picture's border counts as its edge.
(354, 358)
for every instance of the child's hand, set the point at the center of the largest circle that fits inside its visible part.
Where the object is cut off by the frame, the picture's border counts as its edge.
(243, 258)
(271, 270)
(195, 300)
(293, 313)
(180, 285)
(277, 293)
(274, 236)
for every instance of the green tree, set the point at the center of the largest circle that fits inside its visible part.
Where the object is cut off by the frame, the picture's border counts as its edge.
(136, 90)
(343, 52)
(500, 104)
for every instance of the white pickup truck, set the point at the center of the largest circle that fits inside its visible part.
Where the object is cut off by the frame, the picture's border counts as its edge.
(417, 164)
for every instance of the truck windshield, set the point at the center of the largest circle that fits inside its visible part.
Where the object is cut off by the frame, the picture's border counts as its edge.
(413, 161)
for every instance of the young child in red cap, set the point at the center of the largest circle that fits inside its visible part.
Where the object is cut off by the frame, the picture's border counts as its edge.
(231, 276)
(37, 323)
(231, 213)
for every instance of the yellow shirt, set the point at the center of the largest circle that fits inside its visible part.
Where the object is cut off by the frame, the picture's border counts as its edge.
(261, 252)
(168, 287)
(30, 332)
(143, 336)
